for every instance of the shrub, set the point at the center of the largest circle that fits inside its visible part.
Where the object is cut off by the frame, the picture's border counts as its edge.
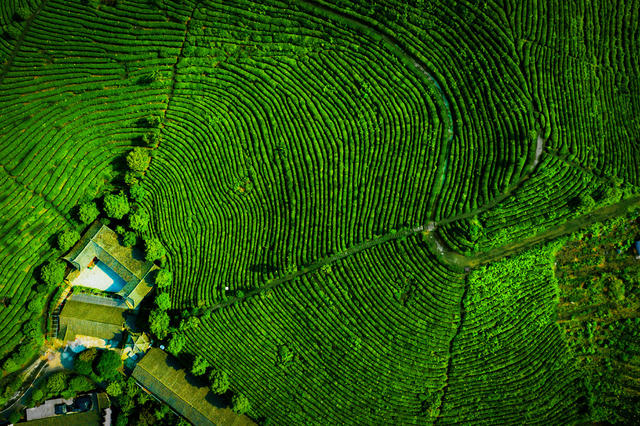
(66, 239)
(80, 384)
(108, 364)
(56, 383)
(23, 13)
(52, 272)
(152, 138)
(200, 366)
(154, 249)
(159, 323)
(37, 303)
(14, 417)
(164, 277)
(240, 404)
(137, 192)
(116, 206)
(163, 301)
(88, 212)
(176, 344)
(219, 381)
(138, 159)
(139, 219)
(37, 396)
(130, 239)
(114, 389)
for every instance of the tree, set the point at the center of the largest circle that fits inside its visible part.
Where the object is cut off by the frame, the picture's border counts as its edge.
(14, 417)
(114, 389)
(56, 383)
(116, 206)
(164, 277)
(176, 343)
(240, 404)
(137, 192)
(159, 323)
(80, 384)
(37, 396)
(130, 239)
(163, 301)
(138, 159)
(154, 249)
(219, 381)
(139, 219)
(200, 366)
(66, 239)
(88, 212)
(52, 272)
(37, 303)
(108, 364)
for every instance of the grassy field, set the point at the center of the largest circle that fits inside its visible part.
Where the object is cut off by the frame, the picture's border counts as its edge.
(297, 152)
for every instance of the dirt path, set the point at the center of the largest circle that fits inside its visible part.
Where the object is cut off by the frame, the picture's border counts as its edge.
(567, 228)
(539, 148)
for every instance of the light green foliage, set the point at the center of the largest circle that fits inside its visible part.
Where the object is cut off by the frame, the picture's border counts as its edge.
(176, 343)
(138, 159)
(66, 239)
(56, 383)
(52, 272)
(219, 381)
(129, 239)
(116, 206)
(88, 212)
(154, 249)
(159, 323)
(164, 278)
(138, 193)
(240, 404)
(114, 389)
(139, 219)
(200, 366)
(163, 301)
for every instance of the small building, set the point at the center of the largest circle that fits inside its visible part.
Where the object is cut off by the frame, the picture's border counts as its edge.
(85, 410)
(102, 262)
(162, 376)
(638, 250)
(137, 345)
(102, 322)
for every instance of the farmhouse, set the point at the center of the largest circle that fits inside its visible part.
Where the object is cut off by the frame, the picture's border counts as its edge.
(161, 375)
(102, 322)
(103, 263)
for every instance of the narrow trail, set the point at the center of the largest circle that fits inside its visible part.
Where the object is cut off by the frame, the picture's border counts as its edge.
(567, 228)
(32, 372)
(454, 259)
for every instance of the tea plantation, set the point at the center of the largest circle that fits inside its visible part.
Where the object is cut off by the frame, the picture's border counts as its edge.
(369, 209)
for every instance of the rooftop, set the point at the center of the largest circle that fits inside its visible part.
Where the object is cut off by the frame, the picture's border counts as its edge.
(80, 318)
(165, 378)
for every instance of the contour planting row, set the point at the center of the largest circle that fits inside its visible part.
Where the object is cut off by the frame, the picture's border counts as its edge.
(363, 341)
(71, 99)
(322, 163)
(509, 362)
(73, 92)
(27, 221)
(586, 79)
(557, 192)
(472, 58)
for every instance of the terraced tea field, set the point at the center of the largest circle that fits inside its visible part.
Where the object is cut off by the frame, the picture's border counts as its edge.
(321, 174)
